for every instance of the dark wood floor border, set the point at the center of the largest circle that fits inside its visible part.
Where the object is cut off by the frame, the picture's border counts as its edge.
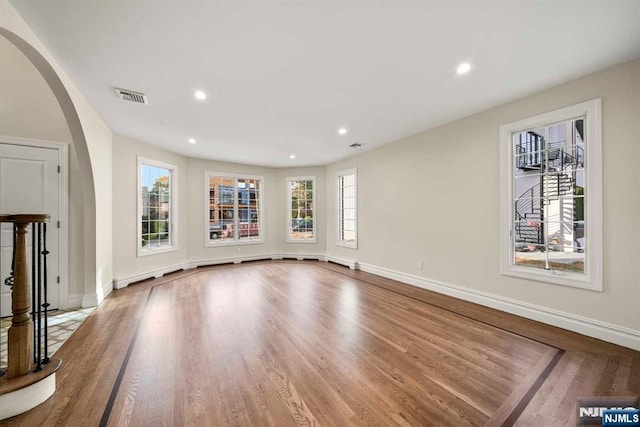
(125, 362)
(517, 411)
(514, 411)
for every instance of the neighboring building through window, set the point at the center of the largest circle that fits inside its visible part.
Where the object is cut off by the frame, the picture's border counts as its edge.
(156, 206)
(233, 208)
(301, 226)
(347, 208)
(553, 196)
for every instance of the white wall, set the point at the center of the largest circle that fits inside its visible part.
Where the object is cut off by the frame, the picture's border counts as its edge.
(92, 146)
(434, 197)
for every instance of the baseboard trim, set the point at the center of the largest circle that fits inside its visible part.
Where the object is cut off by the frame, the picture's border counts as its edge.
(73, 301)
(605, 331)
(352, 264)
(299, 257)
(90, 300)
(107, 287)
(123, 282)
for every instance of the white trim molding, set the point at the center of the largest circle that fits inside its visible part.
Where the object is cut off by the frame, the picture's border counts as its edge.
(352, 264)
(593, 328)
(125, 281)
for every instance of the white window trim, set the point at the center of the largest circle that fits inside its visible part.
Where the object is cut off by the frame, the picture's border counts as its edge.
(288, 210)
(173, 223)
(352, 171)
(209, 243)
(592, 278)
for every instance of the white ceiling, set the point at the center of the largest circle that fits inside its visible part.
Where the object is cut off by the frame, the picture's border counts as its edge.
(283, 76)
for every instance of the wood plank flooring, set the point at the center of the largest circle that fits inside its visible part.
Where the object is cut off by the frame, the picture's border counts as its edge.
(311, 343)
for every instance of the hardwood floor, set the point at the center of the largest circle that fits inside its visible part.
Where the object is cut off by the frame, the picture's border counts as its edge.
(312, 343)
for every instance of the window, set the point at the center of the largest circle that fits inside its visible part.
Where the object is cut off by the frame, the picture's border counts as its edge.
(552, 197)
(301, 203)
(347, 208)
(156, 206)
(233, 208)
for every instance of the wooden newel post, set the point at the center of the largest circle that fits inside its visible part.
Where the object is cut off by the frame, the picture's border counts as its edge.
(20, 335)
(21, 331)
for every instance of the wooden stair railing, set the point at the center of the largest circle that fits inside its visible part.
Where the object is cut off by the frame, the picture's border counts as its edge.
(28, 362)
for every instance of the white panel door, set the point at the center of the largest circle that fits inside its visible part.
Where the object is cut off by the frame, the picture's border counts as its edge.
(29, 183)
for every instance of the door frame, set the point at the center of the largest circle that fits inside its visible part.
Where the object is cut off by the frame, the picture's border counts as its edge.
(65, 300)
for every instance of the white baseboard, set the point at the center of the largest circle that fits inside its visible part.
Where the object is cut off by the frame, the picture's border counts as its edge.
(90, 300)
(229, 260)
(299, 257)
(107, 287)
(73, 301)
(593, 328)
(123, 282)
(352, 264)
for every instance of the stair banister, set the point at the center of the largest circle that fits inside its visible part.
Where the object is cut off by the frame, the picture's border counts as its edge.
(30, 375)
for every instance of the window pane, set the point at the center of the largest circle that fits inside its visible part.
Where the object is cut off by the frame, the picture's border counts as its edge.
(155, 192)
(347, 208)
(234, 208)
(301, 212)
(548, 196)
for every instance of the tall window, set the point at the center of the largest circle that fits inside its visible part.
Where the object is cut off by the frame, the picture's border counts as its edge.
(347, 208)
(156, 206)
(553, 196)
(300, 212)
(233, 209)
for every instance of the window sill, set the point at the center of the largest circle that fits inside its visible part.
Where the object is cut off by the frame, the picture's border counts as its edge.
(563, 278)
(218, 244)
(347, 245)
(147, 252)
(302, 241)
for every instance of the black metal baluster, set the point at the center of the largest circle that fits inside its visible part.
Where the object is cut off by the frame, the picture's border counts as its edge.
(33, 292)
(46, 304)
(37, 352)
(9, 280)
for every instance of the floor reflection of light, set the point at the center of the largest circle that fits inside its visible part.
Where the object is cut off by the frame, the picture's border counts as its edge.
(302, 296)
(349, 318)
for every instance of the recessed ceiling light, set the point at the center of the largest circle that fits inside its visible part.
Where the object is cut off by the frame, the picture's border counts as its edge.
(292, 156)
(192, 141)
(463, 68)
(342, 131)
(200, 95)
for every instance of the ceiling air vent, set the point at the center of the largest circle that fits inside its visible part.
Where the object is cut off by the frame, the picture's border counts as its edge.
(129, 95)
